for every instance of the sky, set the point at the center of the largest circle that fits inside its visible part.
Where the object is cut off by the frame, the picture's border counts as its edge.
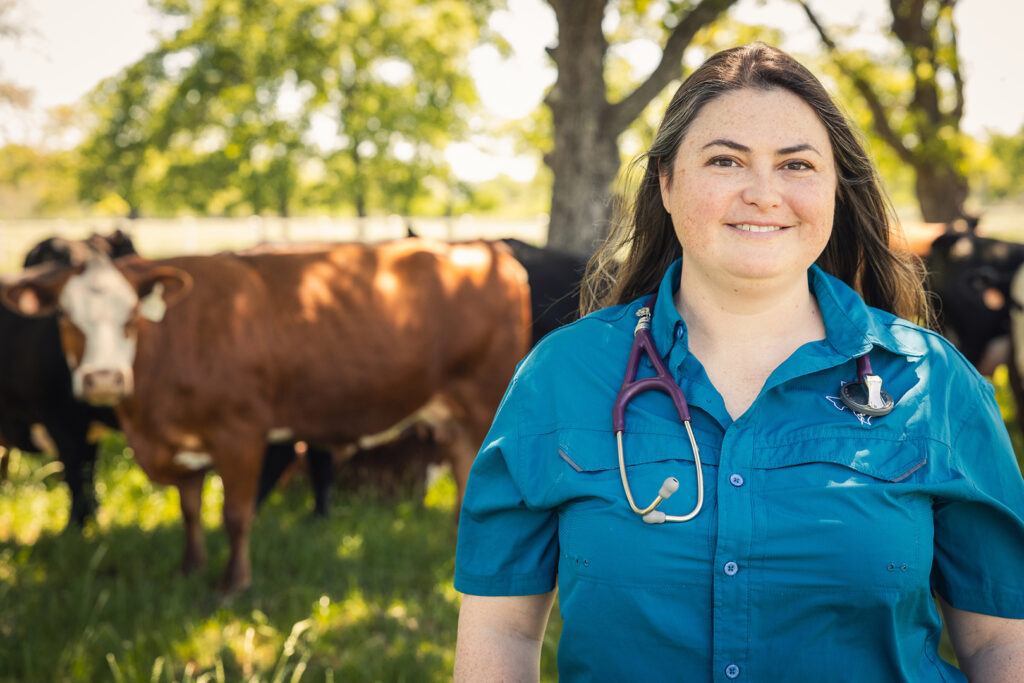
(73, 44)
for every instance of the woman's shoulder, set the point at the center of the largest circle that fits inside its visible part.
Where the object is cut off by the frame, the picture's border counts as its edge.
(597, 342)
(943, 358)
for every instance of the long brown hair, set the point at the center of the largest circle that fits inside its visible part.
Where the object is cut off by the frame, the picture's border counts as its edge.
(859, 251)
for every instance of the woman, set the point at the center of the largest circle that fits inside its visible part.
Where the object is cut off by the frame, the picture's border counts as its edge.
(823, 529)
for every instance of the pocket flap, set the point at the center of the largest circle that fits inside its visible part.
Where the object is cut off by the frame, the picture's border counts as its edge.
(885, 459)
(595, 450)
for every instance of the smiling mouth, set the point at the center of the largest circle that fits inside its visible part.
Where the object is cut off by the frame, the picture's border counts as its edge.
(748, 227)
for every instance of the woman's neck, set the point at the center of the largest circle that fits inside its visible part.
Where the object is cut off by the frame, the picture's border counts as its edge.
(742, 332)
(760, 312)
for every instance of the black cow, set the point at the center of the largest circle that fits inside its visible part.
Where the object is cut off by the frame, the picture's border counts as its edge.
(971, 276)
(35, 383)
(554, 278)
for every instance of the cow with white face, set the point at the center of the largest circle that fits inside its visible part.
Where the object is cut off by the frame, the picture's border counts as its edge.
(37, 409)
(100, 305)
(206, 356)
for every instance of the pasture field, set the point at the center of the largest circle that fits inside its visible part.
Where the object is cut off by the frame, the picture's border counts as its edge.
(363, 595)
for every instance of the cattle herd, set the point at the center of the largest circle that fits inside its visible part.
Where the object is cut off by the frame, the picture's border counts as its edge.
(381, 358)
(224, 361)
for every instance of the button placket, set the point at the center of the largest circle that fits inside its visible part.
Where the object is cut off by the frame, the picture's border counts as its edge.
(731, 625)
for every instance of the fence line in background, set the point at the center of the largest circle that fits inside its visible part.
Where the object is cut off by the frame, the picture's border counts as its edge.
(159, 237)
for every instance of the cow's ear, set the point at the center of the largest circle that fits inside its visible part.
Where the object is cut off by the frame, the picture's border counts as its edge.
(36, 292)
(145, 276)
(174, 282)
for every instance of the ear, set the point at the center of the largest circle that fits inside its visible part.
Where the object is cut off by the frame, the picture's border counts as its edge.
(665, 181)
(144, 275)
(36, 292)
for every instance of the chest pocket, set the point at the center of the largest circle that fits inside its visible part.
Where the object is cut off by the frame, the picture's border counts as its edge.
(844, 514)
(602, 539)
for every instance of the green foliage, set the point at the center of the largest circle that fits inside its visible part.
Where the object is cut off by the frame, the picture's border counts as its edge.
(277, 105)
(898, 176)
(998, 167)
(912, 92)
(365, 594)
(35, 182)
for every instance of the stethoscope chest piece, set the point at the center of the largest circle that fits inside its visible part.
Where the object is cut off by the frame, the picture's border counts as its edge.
(857, 396)
(866, 396)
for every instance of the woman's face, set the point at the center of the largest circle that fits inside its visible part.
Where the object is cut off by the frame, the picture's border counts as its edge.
(753, 188)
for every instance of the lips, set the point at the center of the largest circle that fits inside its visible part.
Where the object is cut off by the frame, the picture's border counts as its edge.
(750, 227)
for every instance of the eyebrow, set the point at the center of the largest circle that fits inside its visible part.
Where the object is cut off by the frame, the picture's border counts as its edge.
(743, 148)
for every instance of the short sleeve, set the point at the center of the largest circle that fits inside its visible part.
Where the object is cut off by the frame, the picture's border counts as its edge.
(979, 518)
(507, 543)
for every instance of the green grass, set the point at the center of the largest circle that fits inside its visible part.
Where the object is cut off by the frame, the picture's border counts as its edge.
(365, 594)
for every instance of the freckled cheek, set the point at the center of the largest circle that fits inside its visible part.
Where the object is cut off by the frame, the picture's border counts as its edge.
(815, 206)
(73, 343)
(698, 213)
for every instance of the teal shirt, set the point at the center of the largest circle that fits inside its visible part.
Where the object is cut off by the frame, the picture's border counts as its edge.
(823, 533)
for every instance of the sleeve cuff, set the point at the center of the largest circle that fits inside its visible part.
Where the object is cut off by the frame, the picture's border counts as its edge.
(534, 583)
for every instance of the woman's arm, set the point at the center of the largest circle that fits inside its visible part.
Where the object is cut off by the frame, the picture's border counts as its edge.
(500, 637)
(989, 649)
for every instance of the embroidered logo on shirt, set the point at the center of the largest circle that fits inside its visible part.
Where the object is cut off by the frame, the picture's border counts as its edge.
(839, 405)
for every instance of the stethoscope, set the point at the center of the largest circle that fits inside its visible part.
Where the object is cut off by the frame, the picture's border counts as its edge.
(864, 396)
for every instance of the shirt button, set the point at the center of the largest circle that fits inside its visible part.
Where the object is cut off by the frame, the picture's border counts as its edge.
(732, 671)
(736, 480)
(731, 568)
(679, 331)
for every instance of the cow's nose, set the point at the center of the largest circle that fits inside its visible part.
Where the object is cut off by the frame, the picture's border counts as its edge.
(103, 385)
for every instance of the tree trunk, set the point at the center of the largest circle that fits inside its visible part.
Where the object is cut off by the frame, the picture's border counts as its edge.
(585, 159)
(941, 193)
(358, 186)
(586, 156)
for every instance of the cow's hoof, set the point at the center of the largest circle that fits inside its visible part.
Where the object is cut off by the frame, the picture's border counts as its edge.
(190, 565)
(229, 591)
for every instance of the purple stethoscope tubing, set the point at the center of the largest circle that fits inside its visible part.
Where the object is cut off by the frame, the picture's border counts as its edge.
(865, 397)
(631, 387)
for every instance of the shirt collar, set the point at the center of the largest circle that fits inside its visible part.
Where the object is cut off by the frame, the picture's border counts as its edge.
(852, 327)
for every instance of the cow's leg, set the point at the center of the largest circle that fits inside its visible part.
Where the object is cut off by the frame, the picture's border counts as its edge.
(276, 460)
(462, 433)
(238, 472)
(321, 475)
(190, 491)
(78, 457)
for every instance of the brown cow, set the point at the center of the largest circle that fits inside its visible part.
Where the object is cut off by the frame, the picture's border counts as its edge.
(205, 356)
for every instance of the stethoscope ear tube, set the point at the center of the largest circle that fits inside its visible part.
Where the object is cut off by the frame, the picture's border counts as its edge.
(631, 387)
(668, 487)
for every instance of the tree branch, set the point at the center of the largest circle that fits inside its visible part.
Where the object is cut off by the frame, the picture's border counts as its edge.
(879, 116)
(626, 110)
(958, 80)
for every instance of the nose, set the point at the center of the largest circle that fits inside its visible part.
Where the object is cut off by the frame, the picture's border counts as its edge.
(761, 190)
(103, 386)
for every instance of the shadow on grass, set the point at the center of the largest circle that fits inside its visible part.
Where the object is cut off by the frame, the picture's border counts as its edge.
(364, 594)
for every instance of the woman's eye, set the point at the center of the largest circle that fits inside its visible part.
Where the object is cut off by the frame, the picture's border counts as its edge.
(724, 162)
(797, 166)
